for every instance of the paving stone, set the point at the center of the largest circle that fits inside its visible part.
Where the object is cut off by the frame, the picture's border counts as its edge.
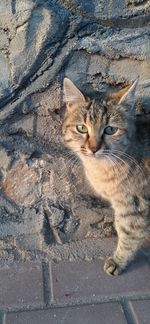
(2, 318)
(141, 311)
(87, 280)
(40, 43)
(71, 315)
(21, 285)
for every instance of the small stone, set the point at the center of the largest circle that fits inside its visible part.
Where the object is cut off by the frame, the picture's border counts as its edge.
(55, 216)
(4, 82)
(4, 159)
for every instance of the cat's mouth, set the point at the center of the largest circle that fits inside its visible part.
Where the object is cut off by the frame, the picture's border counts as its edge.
(93, 154)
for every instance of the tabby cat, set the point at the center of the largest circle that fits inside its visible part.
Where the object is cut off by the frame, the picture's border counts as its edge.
(114, 147)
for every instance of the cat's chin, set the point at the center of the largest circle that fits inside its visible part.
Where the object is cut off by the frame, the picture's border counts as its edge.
(85, 155)
(101, 157)
(90, 156)
(98, 155)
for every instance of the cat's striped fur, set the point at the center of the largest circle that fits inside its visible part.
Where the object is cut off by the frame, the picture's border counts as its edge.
(117, 166)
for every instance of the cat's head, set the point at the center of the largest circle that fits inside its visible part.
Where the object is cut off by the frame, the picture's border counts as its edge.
(94, 126)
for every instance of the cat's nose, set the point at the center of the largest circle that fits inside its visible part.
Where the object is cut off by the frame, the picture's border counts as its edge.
(94, 149)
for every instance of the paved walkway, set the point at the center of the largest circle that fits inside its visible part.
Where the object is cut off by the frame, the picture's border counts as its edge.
(74, 293)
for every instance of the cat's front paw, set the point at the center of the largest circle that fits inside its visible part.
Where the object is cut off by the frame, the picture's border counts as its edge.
(111, 267)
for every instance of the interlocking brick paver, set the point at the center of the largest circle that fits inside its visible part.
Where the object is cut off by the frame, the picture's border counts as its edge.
(21, 285)
(141, 311)
(72, 315)
(88, 280)
(27, 285)
(1, 318)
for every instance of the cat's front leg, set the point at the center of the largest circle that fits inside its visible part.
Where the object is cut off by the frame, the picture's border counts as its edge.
(131, 235)
(115, 264)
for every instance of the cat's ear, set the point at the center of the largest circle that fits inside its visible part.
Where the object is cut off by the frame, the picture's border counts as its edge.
(129, 96)
(71, 92)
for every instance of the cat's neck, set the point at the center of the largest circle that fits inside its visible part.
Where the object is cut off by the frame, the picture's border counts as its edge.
(104, 175)
(96, 166)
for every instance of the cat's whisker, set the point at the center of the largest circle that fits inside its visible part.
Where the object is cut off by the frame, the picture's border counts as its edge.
(117, 169)
(130, 159)
(115, 164)
(113, 159)
(125, 175)
(71, 162)
(121, 160)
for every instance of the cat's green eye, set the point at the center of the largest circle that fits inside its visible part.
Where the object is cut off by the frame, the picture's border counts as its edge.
(82, 129)
(109, 130)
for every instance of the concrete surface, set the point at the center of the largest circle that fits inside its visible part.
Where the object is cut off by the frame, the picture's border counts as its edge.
(75, 292)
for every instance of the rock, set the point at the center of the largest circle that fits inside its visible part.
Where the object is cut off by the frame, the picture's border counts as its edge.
(118, 43)
(30, 30)
(101, 10)
(21, 184)
(27, 47)
(28, 222)
(25, 125)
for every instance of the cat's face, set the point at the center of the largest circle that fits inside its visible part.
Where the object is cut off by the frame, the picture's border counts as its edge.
(94, 127)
